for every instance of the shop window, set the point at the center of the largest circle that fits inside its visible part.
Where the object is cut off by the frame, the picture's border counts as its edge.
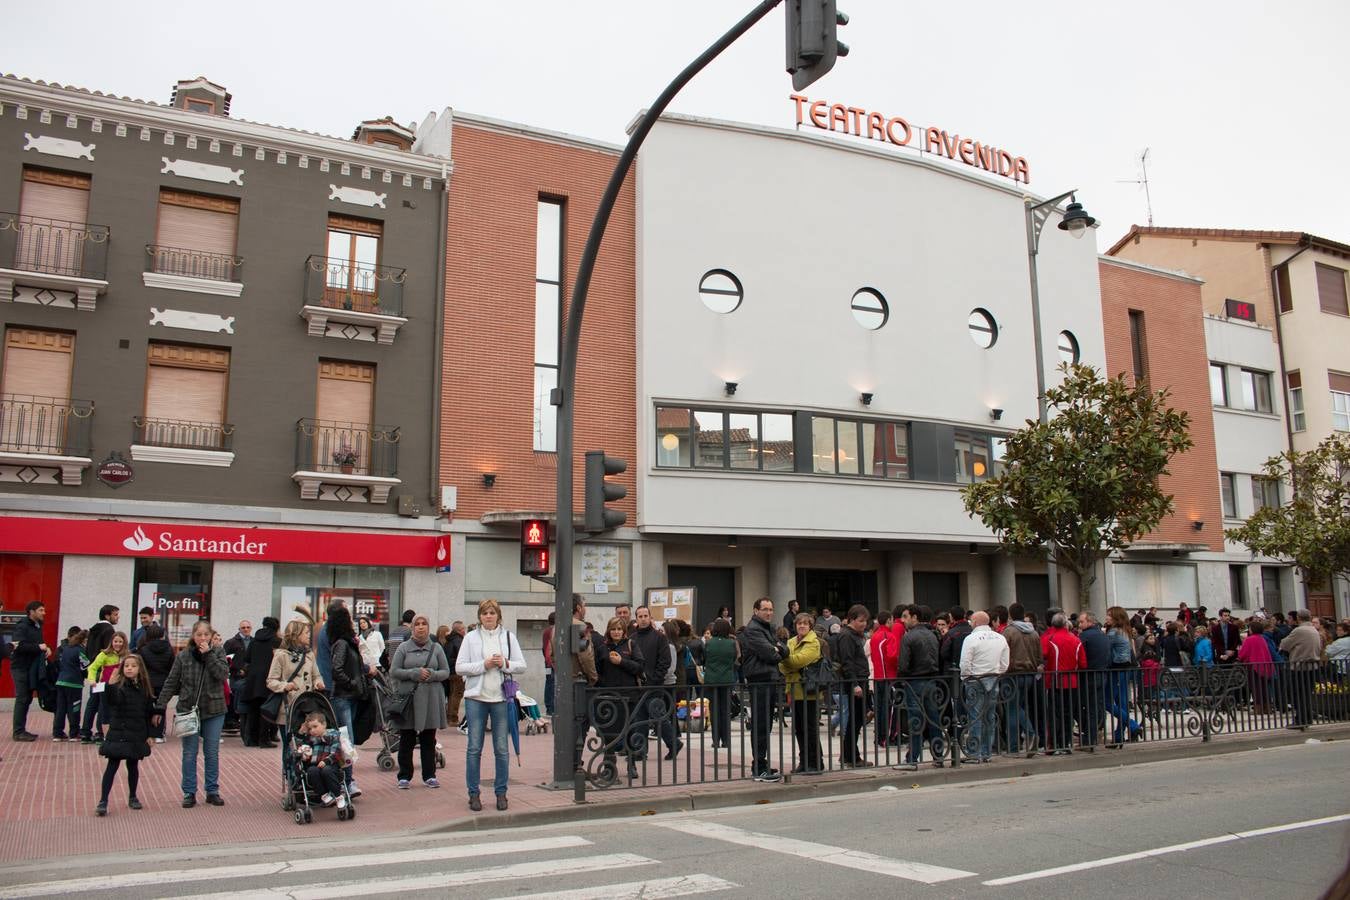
(374, 591)
(178, 590)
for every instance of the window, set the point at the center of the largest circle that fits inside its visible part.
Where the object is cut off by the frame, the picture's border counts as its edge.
(344, 414)
(196, 236)
(1255, 390)
(1340, 400)
(721, 440)
(1218, 385)
(1138, 353)
(1068, 348)
(1271, 595)
(672, 436)
(1237, 587)
(353, 260)
(1229, 494)
(1282, 288)
(53, 209)
(1294, 381)
(547, 315)
(192, 104)
(720, 291)
(973, 461)
(983, 328)
(1265, 492)
(870, 309)
(1331, 290)
(710, 429)
(776, 446)
(185, 393)
(35, 390)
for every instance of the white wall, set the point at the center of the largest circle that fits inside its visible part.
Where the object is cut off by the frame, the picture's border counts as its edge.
(88, 582)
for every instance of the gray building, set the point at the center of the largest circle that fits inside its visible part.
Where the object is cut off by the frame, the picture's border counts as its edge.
(218, 383)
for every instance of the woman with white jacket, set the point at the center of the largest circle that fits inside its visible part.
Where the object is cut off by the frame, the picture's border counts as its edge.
(489, 656)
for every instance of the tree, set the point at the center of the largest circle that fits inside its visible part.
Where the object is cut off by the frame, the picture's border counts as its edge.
(1085, 483)
(1313, 529)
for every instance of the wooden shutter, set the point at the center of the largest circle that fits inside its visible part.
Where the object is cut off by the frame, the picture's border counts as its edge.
(55, 195)
(1331, 290)
(37, 363)
(187, 384)
(54, 207)
(196, 222)
(1339, 383)
(346, 395)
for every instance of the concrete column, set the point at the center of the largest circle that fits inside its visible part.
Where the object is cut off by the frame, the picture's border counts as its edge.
(1097, 593)
(1002, 580)
(649, 567)
(900, 577)
(782, 577)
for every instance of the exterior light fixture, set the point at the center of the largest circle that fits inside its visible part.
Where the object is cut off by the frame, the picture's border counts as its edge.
(864, 545)
(731, 541)
(1076, 221)
(1198, 525)
(995, 414)
(974, 550)
(730, 388)
(866, 398)
(489, 479)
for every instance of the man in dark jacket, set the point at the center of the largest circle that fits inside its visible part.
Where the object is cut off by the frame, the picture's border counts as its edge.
(761, 652)
(950, 653)
(258, 733)
(100, 638)
(853, 680)
(1092, 704)
(917, 667)
(658, 702)
(236, 650)
(30, 651)
(1224, 637)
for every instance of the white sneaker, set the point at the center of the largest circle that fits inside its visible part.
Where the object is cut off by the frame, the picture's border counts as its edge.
(159, 740)
(353, 790)
(342, 803)
(326, 800)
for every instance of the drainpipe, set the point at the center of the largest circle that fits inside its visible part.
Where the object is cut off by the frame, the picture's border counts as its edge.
(434, 453)
(1284, 373)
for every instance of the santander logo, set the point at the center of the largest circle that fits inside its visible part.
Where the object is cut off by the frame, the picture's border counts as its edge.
(138, 542)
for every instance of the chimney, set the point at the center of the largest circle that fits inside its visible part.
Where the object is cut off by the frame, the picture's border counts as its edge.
(384, 133)
(201, 96)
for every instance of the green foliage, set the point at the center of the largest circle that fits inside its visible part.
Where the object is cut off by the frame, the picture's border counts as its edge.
(1314, 528)
(1086, 482)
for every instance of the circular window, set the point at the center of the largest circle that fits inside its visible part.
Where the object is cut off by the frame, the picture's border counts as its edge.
(983, 329)
(1068, 348)
(720, 291)
(870, 309)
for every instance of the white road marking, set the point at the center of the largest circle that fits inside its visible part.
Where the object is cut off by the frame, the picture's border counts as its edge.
(1163, 851)
(444, 881)
(656, 889)
(835, 856)
(312, 864)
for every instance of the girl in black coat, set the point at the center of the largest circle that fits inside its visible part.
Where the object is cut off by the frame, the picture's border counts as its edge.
(131, 713)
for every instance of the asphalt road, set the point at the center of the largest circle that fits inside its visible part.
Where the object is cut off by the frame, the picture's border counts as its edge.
(1270, 823)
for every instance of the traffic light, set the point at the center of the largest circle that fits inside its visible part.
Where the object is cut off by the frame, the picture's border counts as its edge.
(599, 491)
(813, 39)
(534, 558)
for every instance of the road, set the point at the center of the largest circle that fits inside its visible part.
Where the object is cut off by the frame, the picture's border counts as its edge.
(1270, 823)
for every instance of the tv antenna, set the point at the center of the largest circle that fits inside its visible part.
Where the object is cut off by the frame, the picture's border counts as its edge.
(1143, 168)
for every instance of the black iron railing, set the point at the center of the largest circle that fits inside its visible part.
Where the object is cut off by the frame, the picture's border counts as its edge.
(346, 447)
(193, 263)
(47, 425)
(182, 434)
(53, 247)
(938, 721)
(342, 284)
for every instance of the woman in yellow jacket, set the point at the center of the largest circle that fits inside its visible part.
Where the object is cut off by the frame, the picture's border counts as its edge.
(804, 650)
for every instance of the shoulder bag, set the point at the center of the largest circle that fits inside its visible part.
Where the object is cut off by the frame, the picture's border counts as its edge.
(190, 723)
(271, 707)
(510, 687)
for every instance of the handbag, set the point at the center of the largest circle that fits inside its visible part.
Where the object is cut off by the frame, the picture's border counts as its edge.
(510, 687)
(271, 707)
(190, 723)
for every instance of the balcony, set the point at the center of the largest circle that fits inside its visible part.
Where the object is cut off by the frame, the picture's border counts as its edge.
(345, 461)
(198, 271)
(49, 262)
(44, 440)
(355, 302)
(183, 442)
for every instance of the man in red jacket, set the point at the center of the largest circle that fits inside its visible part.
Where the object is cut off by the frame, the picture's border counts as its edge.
(1064, 657)
(884, 648)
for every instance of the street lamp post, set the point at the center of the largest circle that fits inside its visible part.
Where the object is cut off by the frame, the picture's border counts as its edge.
(1076, 222)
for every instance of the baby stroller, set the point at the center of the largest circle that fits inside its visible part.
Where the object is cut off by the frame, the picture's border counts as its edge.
(529, 714)
(296, 794)
(385, 697)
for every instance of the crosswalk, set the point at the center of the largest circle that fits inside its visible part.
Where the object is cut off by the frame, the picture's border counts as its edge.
(573, 866)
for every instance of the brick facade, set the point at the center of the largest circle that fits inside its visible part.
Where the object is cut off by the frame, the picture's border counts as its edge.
(1174, 337)
(488, 363)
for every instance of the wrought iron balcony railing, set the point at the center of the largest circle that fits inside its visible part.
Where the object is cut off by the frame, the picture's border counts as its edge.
(193, 263)
(341, 284)
(346, 447)
(53, 246)
(183, 434)
(45, 425)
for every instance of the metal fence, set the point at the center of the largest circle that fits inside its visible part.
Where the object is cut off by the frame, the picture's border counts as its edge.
(734, 731)
(45, 425)
(182, 434)
(193, 263)
(53, 246)
(343, 284)
(347, 447)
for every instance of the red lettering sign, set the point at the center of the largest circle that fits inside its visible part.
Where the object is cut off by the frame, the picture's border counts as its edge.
(1239, 309)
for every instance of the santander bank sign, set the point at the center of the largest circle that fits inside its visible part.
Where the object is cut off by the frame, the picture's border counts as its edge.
(139, 542)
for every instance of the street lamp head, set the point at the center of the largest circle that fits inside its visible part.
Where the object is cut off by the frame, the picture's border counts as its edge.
(1076, 221)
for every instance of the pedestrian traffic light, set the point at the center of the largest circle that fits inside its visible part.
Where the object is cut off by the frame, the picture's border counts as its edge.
(534, 559)
(813, 42)
(600, 492)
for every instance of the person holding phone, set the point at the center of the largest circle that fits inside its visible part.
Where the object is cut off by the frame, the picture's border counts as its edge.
(198, 679)
(489, 657)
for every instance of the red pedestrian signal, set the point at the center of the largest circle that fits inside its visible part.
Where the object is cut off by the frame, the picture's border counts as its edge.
(534, 533)
(534, 552)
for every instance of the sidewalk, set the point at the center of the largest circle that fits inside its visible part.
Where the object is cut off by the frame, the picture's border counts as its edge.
(48, 792)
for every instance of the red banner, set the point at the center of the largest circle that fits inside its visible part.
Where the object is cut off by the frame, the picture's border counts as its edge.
(94, 537)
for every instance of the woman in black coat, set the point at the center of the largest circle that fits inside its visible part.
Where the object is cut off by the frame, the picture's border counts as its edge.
(131, 711)
(157, 654)
(258, 733)
(619, 664)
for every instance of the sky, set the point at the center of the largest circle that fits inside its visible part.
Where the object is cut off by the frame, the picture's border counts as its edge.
(1239, 102)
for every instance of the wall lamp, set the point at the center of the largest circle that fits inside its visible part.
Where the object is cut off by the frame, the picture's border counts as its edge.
(1198, 525)
(866, 398)
(865, 545)
(730, 388)
(995, 414)
(731, 541)
(974, 550)
(489, 479)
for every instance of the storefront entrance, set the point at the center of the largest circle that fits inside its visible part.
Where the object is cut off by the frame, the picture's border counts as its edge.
(837, 589)
(24, 578)
(715, 587)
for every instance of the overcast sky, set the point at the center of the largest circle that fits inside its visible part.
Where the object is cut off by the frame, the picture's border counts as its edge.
(1240, 101)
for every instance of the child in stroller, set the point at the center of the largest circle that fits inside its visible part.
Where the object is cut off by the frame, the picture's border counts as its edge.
(314, 757)
(321, 756)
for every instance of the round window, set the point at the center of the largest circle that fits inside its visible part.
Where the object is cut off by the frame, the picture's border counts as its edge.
(870, 309)
(983, 328)
(1068, 348)
(720, 291)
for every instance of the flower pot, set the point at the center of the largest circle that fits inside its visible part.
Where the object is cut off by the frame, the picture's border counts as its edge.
(346, 468)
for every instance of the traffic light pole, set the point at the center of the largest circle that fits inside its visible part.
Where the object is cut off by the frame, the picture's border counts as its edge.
(565, 723)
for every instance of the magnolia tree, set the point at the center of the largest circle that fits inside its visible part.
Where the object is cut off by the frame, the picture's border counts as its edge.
(1313, 529)
(1084, 484)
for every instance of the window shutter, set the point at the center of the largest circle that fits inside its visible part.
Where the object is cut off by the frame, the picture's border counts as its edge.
(37, 363)
(188, 228)
(346, 391)
(1331, 290)
(50, 201)
(185, 395)
(1339, 383)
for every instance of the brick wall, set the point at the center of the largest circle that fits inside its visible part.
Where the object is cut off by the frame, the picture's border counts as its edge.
(488, 364)
(1175, 347)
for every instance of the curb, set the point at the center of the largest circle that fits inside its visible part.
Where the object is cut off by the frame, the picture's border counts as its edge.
(715, 796)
